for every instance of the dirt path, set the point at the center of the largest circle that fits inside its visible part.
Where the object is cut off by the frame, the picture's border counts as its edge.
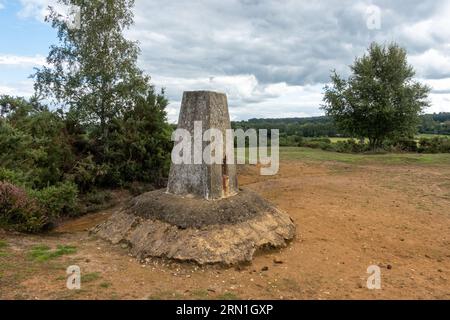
(348, 217)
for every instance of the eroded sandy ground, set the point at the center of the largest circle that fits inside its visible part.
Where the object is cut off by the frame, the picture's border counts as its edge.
(348, 217)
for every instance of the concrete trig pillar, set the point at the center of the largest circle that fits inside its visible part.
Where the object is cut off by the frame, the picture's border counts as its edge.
(209, 181)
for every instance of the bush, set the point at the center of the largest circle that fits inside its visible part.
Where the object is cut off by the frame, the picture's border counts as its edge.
(317, 143)
(96, 200)
(350, 146)
(15, 177)
(402, 144)
(434, 145)
(57, 200)
(18, 211)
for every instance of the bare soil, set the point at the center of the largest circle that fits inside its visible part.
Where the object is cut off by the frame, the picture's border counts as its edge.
(348, 217)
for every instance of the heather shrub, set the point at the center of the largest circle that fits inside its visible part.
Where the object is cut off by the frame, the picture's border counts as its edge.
(18, 211)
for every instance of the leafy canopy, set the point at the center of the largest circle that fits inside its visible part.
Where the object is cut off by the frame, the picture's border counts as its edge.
(380, 99)
(93, 70)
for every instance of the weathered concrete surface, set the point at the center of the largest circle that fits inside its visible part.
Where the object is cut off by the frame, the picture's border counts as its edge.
(149, 234)
(202, 180)
(189, 212)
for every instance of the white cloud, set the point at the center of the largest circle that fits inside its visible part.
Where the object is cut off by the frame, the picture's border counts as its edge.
(20, 88)
(38, 9)
(22, 61)
(432, 64)
(438, 85)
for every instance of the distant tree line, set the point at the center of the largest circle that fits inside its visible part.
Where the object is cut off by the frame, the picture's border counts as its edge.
(436, 123)
(324, 126)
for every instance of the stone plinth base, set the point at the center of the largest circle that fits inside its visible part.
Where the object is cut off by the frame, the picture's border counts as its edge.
(226, 231)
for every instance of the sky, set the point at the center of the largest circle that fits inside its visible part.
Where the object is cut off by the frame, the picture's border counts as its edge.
(272, 58)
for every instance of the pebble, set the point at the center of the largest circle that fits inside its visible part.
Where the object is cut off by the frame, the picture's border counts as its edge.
(277, 261)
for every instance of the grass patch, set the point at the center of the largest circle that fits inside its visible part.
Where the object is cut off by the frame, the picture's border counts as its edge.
(3, 244)
(228, 296)
(200, 294)
(89, 277)
(309, 154)
(290, 285)
(42, 253)
(105, 285)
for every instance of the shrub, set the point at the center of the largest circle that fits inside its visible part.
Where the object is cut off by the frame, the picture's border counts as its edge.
(57, 200)
(15, 177)
(434, 145)
(95, 200)
(402, 144)
(18, 211)
(350, 146)
(317, 143)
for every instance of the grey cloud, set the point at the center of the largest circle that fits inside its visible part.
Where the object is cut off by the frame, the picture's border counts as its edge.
(296, 42)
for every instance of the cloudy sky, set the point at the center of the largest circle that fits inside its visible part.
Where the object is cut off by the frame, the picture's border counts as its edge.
(272, 58)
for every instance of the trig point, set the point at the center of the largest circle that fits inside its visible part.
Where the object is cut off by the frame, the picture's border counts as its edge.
(210, 181)
(202, 216)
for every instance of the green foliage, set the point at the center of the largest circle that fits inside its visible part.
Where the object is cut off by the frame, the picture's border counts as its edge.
(401, 144)
(103, 80)
(57, 200)
(292, 127)
(437, 123)
(434, 145)
(33, 143)
(350, 146)
(293, 130)
(108, 129)
(118, 121)
(96, 200)
(380, 99)
(15, 177)
(140, 144)
(317, 143)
